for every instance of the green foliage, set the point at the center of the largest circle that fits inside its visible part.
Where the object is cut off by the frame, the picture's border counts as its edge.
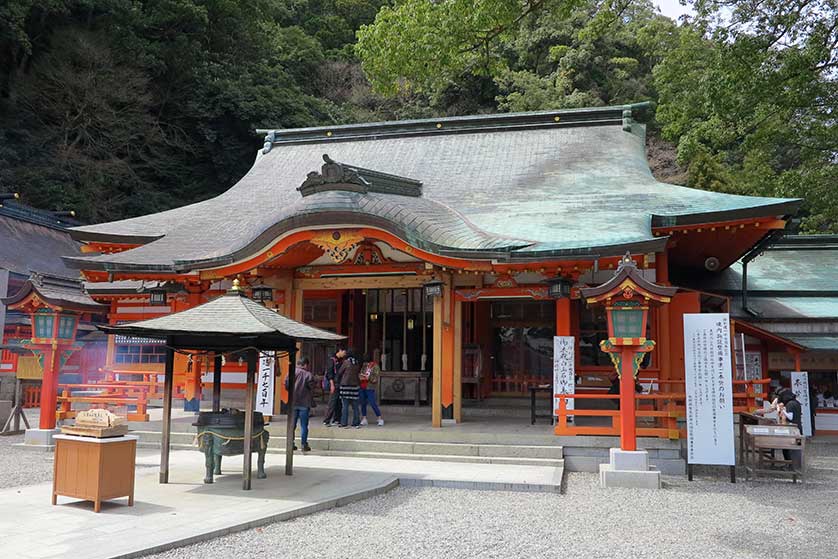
(424, 46)
(117, 108)
(534, 55)
(749, 92)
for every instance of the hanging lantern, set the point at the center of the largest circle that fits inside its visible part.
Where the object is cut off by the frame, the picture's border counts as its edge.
(262, 293)
(157, 296)
(559, 287)
(433, 288)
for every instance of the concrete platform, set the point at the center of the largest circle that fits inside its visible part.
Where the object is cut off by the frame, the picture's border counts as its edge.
(186, 510)
(630, 479)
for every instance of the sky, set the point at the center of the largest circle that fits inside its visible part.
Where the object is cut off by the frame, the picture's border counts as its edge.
(673, 8)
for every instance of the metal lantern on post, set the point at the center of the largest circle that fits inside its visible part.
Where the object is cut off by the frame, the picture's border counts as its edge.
(55, 305)
(627, 297)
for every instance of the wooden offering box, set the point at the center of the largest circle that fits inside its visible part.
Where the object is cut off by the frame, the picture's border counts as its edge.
(94, 469)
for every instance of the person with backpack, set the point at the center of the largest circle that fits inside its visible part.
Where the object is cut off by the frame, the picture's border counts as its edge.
(350, 383)
(370, 373)
(303, 399)
(331, 386)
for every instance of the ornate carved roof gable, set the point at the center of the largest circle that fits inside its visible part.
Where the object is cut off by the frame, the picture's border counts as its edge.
(340, 176)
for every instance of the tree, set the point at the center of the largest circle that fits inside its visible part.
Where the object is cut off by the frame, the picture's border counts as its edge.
(118, 108)
(535, 55)
(749, 93)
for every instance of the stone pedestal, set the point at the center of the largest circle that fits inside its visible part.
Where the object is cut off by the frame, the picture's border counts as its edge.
(39, 439)
(5, 411)
(629, 468)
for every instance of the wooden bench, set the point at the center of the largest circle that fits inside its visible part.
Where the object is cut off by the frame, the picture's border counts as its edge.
(66, 401)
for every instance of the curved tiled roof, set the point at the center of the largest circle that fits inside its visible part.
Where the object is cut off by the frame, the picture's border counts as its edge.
(67, 293)
(513, 186)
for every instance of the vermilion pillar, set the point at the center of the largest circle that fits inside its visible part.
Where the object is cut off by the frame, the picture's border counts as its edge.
(49, 389)
(628, 417)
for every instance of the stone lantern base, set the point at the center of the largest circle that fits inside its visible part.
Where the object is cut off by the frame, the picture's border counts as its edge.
(629, 468)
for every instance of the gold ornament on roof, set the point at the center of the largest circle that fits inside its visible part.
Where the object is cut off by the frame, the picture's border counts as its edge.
(337, 244)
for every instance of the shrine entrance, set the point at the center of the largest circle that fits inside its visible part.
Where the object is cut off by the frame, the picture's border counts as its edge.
(392, 326)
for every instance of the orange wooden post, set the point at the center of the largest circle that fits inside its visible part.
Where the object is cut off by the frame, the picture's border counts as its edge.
(447, 349)
(65, 405)
(628, 415)
(49, 390)
(563, 317)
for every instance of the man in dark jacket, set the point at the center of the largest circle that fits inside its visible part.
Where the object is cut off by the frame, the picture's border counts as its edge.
(794, 413)
(303, 399)
(350, 384)
(333, 379)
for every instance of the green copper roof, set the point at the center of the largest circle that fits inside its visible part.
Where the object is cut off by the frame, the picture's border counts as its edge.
(507, 187)
(825, 343)
(789, 269)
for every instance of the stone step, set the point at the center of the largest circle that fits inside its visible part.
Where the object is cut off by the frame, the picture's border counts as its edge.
(316, 450)
(535, 435)
(403, 448)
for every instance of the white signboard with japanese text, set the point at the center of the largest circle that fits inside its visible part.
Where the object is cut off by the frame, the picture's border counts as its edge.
(265, 383)
(709, 389)
(800, 387)
(564, 369)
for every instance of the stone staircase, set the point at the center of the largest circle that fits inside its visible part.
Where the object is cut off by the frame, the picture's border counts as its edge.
(377, 443)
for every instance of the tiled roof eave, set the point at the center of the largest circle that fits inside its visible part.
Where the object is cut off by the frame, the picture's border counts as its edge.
(103, 237)
(782, 208)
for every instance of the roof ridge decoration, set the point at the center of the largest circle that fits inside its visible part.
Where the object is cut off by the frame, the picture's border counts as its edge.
(341, 176)
(615, 115)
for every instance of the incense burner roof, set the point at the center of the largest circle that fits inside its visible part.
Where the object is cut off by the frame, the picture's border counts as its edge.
(232, 314)
(570, 183)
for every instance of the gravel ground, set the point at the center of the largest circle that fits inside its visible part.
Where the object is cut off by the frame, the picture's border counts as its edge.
(22, 467)
(706, 518)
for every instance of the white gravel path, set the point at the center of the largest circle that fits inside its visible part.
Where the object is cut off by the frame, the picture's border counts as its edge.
(22, 467)
(708, 518)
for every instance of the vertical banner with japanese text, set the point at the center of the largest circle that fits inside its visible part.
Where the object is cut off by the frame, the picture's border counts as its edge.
(564, 369)
(800, 387)
(709, 389)
(265, 383)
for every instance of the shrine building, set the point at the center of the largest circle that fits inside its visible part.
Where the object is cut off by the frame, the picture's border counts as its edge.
(452, 248)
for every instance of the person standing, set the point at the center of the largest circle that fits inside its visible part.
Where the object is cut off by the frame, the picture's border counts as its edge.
(370, 373)
(333, 380)
(303, 399)
(350, 383)
(790, 410)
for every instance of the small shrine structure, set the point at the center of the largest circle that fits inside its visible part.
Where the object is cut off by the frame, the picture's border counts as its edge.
(453, 250)
(229, 324)
(55, 305)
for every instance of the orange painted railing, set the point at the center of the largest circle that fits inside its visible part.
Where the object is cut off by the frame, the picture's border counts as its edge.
(657, 412)
(105, 401)
(9, 357)
(32, 397)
